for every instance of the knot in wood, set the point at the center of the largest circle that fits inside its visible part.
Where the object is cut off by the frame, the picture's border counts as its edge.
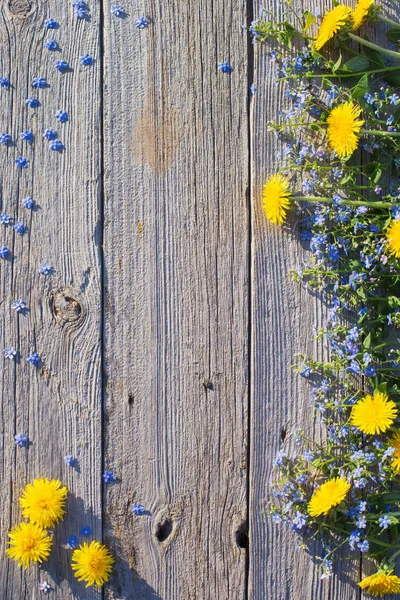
(65, 307)
(20, 8)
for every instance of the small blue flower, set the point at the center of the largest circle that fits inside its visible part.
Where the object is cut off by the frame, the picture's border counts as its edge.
(117, 10)
(34, 359)
(51, 23)
(4, 252)
(81, 13)
(21, 162)
(50, 134)
(142, 23)
(70, 460)
(86, 60)
(79, 4)
(26, 135)
(51, 45)
(28, 203)
(370, 371)
(363, 546)
(72, 542)
(4, 82)
(108, 477)
(21, 440)
(19, 228)
(225, 67)
(39, 82)
(62, 116)
(61, 66)
(46, 269)
(5, 138)
(137, 508)
(56, 145)
(19, 306)
(5, 219)
(86, 531)
(10, 353)
(32, 102)
(384, 522)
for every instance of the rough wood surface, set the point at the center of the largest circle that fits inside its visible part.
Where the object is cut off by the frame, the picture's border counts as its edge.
(176, 310)
(59, 405)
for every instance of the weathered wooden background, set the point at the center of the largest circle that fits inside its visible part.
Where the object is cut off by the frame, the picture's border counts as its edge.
(168, 328)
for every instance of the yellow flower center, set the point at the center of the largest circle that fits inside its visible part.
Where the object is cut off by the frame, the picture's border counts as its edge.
(29, 543)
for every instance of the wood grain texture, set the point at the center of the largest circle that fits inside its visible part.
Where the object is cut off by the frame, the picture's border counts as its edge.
(176, 320)
(59, 405)
(283, 321)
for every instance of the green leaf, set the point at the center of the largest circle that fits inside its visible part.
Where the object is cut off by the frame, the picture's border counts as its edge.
(382, 387)
(393, 301)
(367, 341)
(374, 56)
(337, 64)
(393, 77)
(361, 88)
(394, 34)
(309, 20)
(357, 63)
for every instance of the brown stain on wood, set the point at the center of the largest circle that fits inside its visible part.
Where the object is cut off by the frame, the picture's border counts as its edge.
(155, 137)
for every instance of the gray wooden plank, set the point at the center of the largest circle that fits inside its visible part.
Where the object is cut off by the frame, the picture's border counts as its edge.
(176, 260)
(284, 317)
(59, 405)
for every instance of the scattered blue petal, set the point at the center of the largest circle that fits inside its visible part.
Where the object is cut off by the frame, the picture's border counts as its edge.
(4, 252)
(34, 359)
(4, 83)
(26, 135)
(61, 66)
(21, 440)
(225, 67)
(86, 531)
(32, 102)
(5, 138)
(70, 460)
(137, 508)
(19, 228)
(117, 10)
(21, 162)
(10, 353)
(72, 542)
(50, 134)
(19, 306)
(62, 116)
(51, 23)
(142, 23)
(56, 145)
(86, 60)
(51, 45)
(108, 477)
(28, 203)
(39, 82)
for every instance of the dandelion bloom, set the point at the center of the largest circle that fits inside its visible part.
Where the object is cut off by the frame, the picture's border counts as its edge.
(331, 23)
(395, 443)
(29, 543)
(343, 127)
(92, 563)
(381, 583)
(393, 236)
(374, 414)
(276, 198)
(360, 12)
(330, 494)
(43, 501)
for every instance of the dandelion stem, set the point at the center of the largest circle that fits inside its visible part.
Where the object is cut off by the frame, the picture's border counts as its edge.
(388, 21)
(345, 201)
(379, 132)
(364, 42)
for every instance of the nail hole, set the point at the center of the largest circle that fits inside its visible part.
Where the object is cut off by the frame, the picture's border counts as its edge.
(208, 385)
(130, 399)
(242, 535)
(164, 530)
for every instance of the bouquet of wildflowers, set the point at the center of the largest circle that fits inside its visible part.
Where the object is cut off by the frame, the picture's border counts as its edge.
(341, 165)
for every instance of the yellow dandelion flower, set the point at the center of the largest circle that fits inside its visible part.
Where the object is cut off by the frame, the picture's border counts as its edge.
(343, 127)
(374, 414)
(331, 23)
(276, 198)
(43, 501)
(330, 494)
(381, 583)
(395, 443)
(29, 543)
(92, 563)
(360, 12)
(393, 235)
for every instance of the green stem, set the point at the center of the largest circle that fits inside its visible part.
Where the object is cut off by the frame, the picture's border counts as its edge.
(380, 133)
(363, 42)
(344, 75)
(345, 201)
(388, 21)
